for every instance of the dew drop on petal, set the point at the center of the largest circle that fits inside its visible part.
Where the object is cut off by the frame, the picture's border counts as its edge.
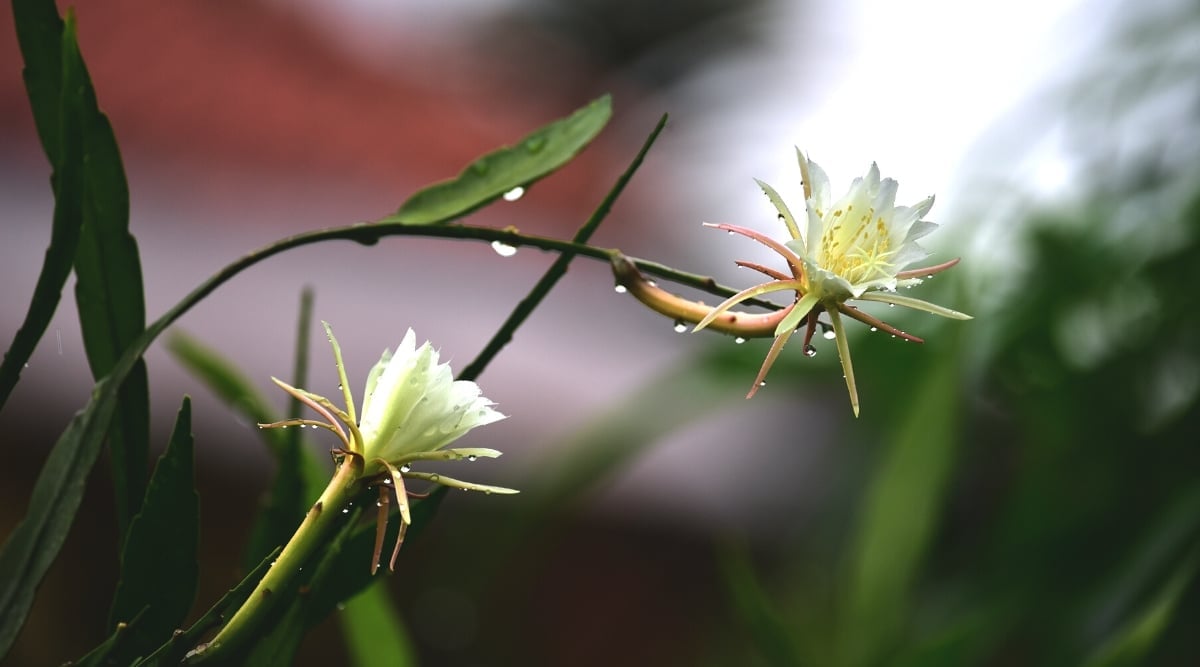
(739, 340)
(503, 249)
(620, 289)
(514, 194)
(680, 326)
(810, 350)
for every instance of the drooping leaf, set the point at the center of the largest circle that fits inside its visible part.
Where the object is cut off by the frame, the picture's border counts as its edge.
(39, 31)
(375, 634)
(487, 178)
(159, 570)
(34, 544)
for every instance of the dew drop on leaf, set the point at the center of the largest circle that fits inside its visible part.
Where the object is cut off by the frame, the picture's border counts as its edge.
(514, 194)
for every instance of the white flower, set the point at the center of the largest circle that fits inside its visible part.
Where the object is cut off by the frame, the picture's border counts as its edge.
(855, 248)
(412, 408)
(413, 404)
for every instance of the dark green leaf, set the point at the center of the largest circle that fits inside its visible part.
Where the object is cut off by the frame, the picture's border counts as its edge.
(299, 476)
(174, 650)
(35, 542)
(108, 295)
(39, 32)
(485, 179)
(375, 633)
(159, 570)
(348, 555)
(105, 655)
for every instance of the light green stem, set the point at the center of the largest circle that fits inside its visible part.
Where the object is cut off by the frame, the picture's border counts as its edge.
(279, 581)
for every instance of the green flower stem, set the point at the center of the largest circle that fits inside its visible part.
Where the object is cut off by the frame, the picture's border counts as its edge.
(279, 583)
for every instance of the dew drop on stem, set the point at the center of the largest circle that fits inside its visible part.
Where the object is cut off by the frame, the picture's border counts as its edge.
(503, 249)
(810, 350)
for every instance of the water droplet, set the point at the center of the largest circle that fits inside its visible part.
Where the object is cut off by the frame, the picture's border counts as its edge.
(535, 144)
(680, 326)
(514, 194)
(378, 503)
(874, 329)
(435, 477)
(810, 350)
(830, 335)
(472, 457)
(26, 364)
(345, 510)
(730, 232)
(405, 468)
(929, 277)
(762, 383)
(891, 305)
(503, 249)
(739, 340)
(339, 386)
(284, 426)
(388, 481)
(620, 289)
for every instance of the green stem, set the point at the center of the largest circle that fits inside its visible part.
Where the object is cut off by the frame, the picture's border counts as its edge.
(279, 583)
(559, 269)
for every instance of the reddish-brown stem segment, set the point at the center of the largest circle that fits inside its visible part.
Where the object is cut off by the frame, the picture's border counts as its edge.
(734, 323)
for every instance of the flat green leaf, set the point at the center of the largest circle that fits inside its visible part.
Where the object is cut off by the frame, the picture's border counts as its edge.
(173, 651)
(159, 570)
(900, 514)
(375, 633)
(35, 542)
(299, 476)
(108, 295)
(489, 177)
(39, 32)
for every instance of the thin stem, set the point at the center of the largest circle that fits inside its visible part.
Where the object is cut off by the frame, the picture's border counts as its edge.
(558, 269)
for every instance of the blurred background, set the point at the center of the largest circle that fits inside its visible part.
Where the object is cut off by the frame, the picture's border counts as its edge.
(1019, 490)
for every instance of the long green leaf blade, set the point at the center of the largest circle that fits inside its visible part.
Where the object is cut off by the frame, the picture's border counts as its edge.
(35, 542)
(159, 570)
(375, 633)
(109, 298)
(534, 157)
(39, 31)
(899, 518)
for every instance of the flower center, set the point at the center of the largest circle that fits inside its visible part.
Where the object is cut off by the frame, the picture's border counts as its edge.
(857, 248)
